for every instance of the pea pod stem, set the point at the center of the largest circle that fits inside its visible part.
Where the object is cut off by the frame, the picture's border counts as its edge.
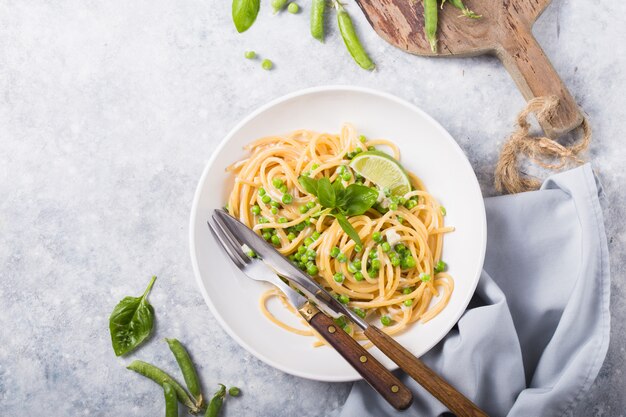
(318, 9)
(171, 401)
(430, 23)
(160, 377)
(187, 368)
(351, 40)
(215, 405)
(466, 12)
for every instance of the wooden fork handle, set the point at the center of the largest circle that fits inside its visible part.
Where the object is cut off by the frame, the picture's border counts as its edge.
(535, 76)
(372, 371)
(458, 404)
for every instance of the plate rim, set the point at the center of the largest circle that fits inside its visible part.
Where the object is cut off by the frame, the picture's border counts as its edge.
(228, 137)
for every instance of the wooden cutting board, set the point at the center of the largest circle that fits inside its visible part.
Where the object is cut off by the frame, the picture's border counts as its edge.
(504, 30)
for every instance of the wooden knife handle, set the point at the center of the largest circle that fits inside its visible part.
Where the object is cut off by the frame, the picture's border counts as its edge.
(458, 404)
(372, 371)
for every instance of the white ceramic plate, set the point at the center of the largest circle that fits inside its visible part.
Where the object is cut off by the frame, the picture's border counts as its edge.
(426, 149)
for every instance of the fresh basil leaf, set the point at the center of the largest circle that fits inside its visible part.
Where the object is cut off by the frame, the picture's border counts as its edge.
(357, 199)
(309, 184)
(326, 193)
(131, 322)
(347, 227)
(245, 13)
(339, 192)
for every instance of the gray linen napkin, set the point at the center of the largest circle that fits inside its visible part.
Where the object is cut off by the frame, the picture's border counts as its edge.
(537, 330)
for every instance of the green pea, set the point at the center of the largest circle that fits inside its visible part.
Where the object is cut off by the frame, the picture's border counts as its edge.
(351, 268)
(293, 8)
(261, 191)
(301, 250)
(377, 237)
(308, 241)
(291, 236)
(400, 248)
(282, 220)
(250, 54)
(267, 235)
(400, 219)
(316, 235)
(362, 138)
(310, 204)
(408, 302)
(346, 176)
(395, 261)
(300, 227)
(276, 240)
(386, 247)
(410, 204)
(359, 276)
(358, 248)
(441, 266)
(359, 312)
(251, 254)
(351, 40)
(267, 64)
(234, 391)
(357, 264)
(274, 210)
(277, 182)
(407, 290)
(443, 210)
(373, 254)
(342, 258)
(262, 220)
(304, 258)
(393, 207)
(371, 148)
(311, 253)
(344, 299)
(315, 166)
(372, 273)
(278, 5)
(256, 209)
(424, 277)
(385, 320)
(358, 150)
(303, 209)
(312, 270)
(287, 198)
(334, 252)
(375, 264)
(408, 262)
(266, 199)
(338, 277)
(274, 204)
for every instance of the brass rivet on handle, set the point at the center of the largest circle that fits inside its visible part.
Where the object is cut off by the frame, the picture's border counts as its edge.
(363, 358)
(394, 388)
(331, 329)
(309, 311)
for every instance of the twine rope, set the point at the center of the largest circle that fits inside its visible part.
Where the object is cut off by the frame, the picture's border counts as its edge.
(542, 150)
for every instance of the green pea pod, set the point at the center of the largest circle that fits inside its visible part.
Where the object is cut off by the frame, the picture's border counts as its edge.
(244, 13)
(171, 402)
(351, 40)
(278, 5)
(215, 405)
(187, 368)
(160, 377)
(318, 9)
(430, 23)
(466, 12)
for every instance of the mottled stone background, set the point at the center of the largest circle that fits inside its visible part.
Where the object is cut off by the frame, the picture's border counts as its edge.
(109, 111)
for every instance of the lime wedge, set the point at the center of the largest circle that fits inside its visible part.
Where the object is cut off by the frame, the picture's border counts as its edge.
(383, 170)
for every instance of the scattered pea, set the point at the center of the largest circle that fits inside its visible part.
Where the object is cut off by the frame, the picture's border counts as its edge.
(362, 138)
(250, 54)
(267, 64)
(441, 266)
(293, 8)
(234, 391)
(385, 320)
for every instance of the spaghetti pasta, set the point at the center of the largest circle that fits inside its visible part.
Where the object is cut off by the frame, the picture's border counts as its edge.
(396, 274)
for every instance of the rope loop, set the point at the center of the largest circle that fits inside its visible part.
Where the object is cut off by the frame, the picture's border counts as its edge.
(541, 150)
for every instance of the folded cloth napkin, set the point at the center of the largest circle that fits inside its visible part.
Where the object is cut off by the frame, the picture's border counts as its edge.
(537, 329)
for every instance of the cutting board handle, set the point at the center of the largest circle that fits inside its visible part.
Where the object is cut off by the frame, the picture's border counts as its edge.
(535, 76)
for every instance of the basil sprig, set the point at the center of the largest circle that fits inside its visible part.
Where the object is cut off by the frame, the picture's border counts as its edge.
(349, 201)
(245, 13)
(131, 322)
